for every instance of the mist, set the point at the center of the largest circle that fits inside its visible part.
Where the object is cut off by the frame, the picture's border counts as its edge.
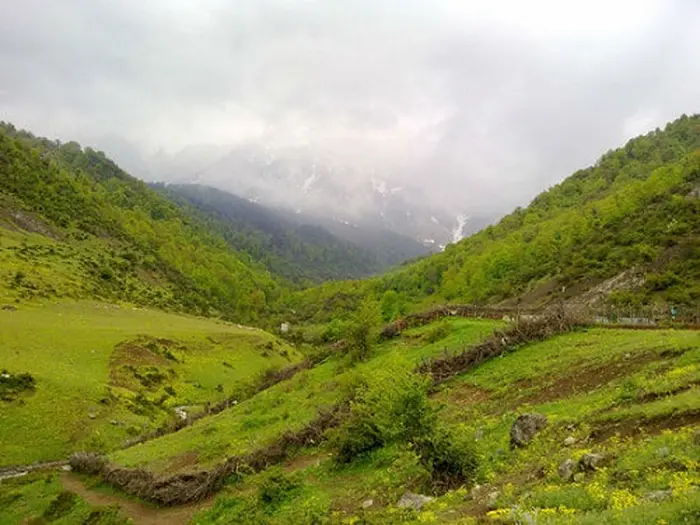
(476, 107)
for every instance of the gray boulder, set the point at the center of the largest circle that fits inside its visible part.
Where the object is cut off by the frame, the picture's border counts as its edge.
(591, 461)
(413, 501)
(525, 428)
(567, 469)
(658, 495)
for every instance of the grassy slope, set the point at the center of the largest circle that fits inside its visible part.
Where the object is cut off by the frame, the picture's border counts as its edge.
(594, 379)
(288, 405)
(35, 497)
(67, 347)
(636, 209)
(123, 240)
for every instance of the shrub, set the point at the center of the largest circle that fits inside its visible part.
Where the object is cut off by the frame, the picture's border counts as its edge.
(390, 405)
(276, 487)
(438, 332)
(60, 506)
(450, 458)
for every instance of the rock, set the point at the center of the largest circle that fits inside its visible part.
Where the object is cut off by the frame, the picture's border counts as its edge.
(113, 422)
(570, 441)
(566, 469)
(579, 477)
(659, 495)
(9, 307)
(367, 503)
(525, 428)
(66, 468)
(413, 501)
(591, 461)
(484, 495)
(92, 415)
(663, 452)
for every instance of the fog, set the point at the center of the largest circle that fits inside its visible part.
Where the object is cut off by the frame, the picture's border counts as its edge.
(478, 105)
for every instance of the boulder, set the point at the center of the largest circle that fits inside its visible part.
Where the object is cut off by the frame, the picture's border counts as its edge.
(484, 495)
(591, 461)
(367, 503)
(570, 441)
(525, 428)
(413, 501)
(658, 495)
(579, 477)
(567, 469)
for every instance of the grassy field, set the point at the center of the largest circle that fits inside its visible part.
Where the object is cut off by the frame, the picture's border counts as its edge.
(632, 396)
(104, 373)
(40, 498)
(291, 404)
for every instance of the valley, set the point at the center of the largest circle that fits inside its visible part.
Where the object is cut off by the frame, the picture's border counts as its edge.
(177, 354)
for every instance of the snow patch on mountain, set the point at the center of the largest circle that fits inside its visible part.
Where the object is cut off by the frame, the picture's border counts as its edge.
(458, 230)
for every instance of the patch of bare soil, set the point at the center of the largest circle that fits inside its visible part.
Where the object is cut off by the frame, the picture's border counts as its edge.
(629, 427)
(139, 513)
(462, 394)
(586, 379)
(304, 461)
(143, 351)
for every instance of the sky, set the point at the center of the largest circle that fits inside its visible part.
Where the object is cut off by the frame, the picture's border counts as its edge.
(480, 104)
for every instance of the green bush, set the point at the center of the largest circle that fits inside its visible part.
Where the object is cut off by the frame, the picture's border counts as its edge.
(276, 487)
(390, 405)
(437, 332)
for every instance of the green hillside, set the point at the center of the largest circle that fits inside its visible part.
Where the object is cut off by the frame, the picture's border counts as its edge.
(636, 211)
(72, 224)
(301, 252)
(103, 374)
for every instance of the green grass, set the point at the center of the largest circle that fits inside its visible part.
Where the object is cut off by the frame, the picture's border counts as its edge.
(290, 404)
(67, 347)
(483, 404)
(35, 498)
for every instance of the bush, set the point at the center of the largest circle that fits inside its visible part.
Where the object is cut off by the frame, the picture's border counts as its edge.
(276, 487)
(451, 459)
(390, 405)
(438, 332)
(59, 507)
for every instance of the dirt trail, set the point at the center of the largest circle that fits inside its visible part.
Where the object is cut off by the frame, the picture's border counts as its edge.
(140, 513)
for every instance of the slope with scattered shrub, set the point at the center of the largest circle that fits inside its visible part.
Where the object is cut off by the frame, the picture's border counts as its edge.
(72, 224)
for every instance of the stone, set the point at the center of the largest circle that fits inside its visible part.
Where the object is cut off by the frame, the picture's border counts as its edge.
(484, 495)
(663, 452)
(66, 468)
(525, 428)
(659, 495)
(413, 501)
(591, 461)
(367, 503)
(92, 415)
(113, 422)
(9, 307)
(579, 477)
(567, 469)
(570, 441)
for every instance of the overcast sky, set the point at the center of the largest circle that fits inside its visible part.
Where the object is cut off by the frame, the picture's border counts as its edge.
(482, 103)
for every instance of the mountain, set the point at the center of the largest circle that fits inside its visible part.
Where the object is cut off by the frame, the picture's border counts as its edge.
(73, 224)
(292, 248)
(310, 181)
(622, 232)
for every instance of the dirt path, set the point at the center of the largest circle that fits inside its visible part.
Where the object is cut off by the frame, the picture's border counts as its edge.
(140, 513)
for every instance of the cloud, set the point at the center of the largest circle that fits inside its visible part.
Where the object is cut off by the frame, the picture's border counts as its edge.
(481, 104)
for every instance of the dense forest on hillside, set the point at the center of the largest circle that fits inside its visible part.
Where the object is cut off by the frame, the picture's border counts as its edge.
(303, 253)
(636, 209)
(108, 235)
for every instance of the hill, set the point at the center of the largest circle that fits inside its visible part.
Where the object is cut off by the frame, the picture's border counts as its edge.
(297, 250)
(622, 233)
(72, 224)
